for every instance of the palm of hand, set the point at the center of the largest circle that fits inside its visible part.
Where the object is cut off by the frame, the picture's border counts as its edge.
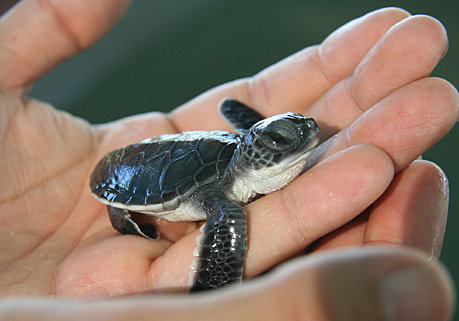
(62, 238)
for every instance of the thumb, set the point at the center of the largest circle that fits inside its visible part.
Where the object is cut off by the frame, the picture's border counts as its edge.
(37, 35)
(372, 283)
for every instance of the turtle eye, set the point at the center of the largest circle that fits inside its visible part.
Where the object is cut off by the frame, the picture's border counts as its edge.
(277, 140)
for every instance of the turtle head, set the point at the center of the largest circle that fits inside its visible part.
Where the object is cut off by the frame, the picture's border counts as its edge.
(271, 154)
(280, 140)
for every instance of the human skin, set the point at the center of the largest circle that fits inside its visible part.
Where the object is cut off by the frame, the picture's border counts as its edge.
(367, 79)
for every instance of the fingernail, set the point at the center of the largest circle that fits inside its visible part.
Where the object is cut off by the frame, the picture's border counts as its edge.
(414, 294)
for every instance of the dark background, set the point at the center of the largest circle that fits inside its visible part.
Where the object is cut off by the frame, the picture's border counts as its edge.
(164, 53)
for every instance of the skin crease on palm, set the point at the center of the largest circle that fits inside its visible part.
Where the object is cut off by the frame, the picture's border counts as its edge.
(367, 79)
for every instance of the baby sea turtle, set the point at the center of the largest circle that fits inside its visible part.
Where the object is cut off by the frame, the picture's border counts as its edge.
(206, 175)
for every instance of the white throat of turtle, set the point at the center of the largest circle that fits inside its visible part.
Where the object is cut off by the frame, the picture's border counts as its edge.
(247, 183)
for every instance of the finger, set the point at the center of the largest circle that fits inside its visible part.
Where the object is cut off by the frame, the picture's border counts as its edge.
(316, 203)
(283, 223)
(410, 50)
(412, 211)
(404, 124)
(296, 82)
(37, 35)
(346, 236)
(386, 283)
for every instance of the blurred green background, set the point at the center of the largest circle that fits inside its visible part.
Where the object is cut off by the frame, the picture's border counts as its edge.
(163, 53)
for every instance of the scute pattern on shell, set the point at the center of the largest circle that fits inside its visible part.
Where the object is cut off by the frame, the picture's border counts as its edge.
(155, 172)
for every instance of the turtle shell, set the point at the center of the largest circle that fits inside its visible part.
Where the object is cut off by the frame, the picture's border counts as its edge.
(159, 173)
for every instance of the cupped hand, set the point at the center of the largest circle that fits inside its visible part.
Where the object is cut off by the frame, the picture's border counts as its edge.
(366, 85)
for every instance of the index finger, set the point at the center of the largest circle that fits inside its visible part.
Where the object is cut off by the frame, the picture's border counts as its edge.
(296, 82)
(37, 35)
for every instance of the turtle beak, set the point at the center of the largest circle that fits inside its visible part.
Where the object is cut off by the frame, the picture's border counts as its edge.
(310, 134)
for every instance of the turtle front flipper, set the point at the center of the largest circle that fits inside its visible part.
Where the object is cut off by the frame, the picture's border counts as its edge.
(239, 115)
(222, 245)
(122, 222)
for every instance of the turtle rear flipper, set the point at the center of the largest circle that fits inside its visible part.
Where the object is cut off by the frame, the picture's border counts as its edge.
(223, 244)
(123, 223)
(239, 115)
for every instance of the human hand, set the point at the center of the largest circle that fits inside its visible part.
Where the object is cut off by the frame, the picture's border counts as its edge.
(371, 283)
(62, 241)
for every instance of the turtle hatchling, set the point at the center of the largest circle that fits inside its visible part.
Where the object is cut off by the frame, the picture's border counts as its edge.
(206, 175)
